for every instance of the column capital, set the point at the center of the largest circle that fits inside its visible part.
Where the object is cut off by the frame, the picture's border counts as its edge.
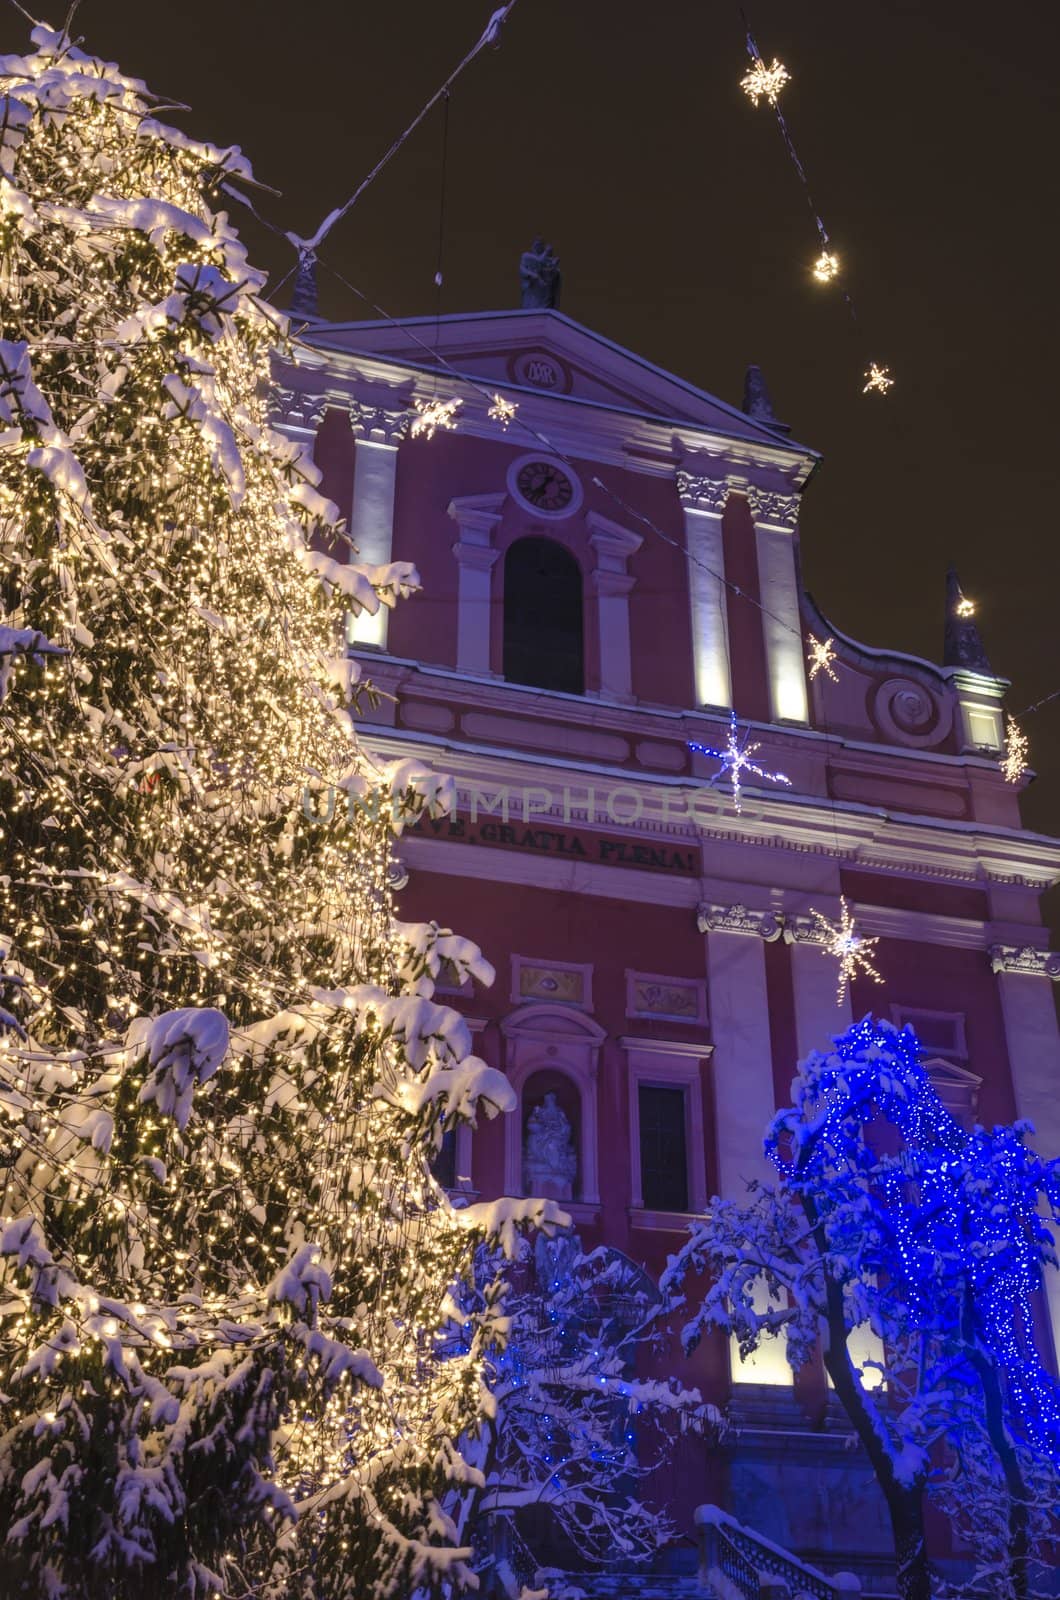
(700, 493)
(773, 506)
(377, 424)
(801, 929)
(767, 925)
(479, 556)
(299, 409)
(1027, 959)
(476, 515)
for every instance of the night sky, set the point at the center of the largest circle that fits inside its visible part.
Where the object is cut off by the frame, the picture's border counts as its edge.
(618, 130)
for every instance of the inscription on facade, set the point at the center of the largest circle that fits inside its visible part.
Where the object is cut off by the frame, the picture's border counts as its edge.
(596, 848)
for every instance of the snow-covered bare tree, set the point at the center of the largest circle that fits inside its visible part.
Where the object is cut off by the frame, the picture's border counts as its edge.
(224, 1264)
(579, 1429)
(893, 1226)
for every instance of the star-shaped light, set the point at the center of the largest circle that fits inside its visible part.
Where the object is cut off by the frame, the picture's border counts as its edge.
(826, 267)
(433, 414)
(821, 656)
(735, 759)
(877, 379)
(853, 953)
(965, 608)
(762, 82)
(1014, 762)
(502, 410)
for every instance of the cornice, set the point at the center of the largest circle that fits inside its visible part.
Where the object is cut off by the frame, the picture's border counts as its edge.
(589, 430)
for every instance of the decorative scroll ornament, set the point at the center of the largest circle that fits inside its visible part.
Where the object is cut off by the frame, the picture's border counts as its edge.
(821, 657)
(773, 506)
(852, 952)
(1027, 959)
(767, 925)
(378, 424)
(735, 758)
(702, 493)
(299, 408)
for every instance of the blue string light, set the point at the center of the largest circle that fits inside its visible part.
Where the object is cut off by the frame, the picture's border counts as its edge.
(956, 1231)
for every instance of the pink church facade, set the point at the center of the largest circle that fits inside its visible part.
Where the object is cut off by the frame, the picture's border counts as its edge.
(605, 581)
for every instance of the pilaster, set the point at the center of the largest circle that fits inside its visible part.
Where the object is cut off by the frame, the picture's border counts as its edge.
(476, 516)
(703, 502)
(775, 517)
(612, 583)
(817, 1016)
(377, 432)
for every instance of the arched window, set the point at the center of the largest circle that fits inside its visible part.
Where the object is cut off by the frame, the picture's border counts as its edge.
(543, 627)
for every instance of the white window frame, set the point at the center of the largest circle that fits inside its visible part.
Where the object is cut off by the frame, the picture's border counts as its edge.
(668, 1064)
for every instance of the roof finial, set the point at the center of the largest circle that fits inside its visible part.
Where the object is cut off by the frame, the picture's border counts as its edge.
(304, 299)
(757, 403)
(963, 646)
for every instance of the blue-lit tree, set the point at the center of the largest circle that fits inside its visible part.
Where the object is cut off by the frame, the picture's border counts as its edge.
(578, 1428)
(890, 1218)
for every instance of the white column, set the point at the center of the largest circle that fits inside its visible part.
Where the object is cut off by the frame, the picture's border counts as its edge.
(703, 501)
(1034, 1060)
(612, 583)
(377, 433)
(818, 1018)
(476, 515)
(742, 1069)
(775, 516)
(742, 1062)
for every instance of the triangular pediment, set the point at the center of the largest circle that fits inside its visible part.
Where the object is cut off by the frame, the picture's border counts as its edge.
(547, 352)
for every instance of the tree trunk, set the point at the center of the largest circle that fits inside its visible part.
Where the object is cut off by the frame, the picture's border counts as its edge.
(913, 1575)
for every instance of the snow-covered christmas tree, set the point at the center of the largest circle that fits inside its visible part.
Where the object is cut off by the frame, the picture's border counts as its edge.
(225, 1268)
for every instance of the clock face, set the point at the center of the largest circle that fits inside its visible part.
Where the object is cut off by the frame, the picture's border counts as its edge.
(545, 486)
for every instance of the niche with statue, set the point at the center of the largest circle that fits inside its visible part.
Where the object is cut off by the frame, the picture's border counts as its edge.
(551, 1136)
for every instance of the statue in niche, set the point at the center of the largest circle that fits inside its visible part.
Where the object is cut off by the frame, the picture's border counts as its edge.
(550, 1164)
(539, 278)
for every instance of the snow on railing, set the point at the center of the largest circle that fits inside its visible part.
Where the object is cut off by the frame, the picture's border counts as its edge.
(751, 1567)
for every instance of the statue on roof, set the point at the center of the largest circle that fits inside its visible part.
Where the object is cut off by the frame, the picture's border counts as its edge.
(540, 279)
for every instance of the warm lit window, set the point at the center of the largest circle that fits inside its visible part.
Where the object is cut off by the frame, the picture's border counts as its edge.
(543, 623)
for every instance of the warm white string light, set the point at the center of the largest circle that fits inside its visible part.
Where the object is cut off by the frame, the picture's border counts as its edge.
(1014, 762)
(853, 953)
(502, 410)
(432, 415)
(821, 657)
(764, 83)
(877, 379)
(826, 267)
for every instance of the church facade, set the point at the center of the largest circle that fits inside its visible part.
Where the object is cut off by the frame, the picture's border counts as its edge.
(610, 578)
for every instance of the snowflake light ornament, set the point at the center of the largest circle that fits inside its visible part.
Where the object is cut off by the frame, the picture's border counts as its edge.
(853, 953)
(762, 82)
(820, 657)
(1014, 762)
(965, 608)
(826, 267)
(432, 415)
(502, 410)
(735, 759)
(877, 379)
